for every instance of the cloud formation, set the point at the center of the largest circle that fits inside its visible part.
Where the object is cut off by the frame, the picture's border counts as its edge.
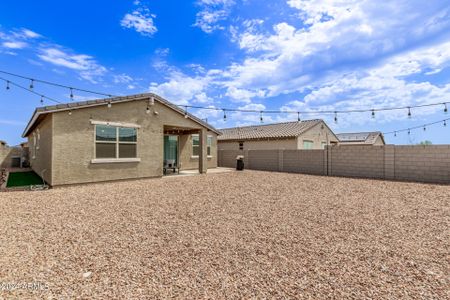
(141, 20)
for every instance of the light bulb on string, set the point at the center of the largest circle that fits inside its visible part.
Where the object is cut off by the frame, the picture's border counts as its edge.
(32, 84)
(335, 117)
(261, 117)
(224, 115)
(424, 128)
(395, 133)
(445, 123)
(186, 112)
(298, 117)
(409, 131)
(445, 108)
(42, 99)
(71, 94)
(373, 114)
(7, 85)
(409, 112)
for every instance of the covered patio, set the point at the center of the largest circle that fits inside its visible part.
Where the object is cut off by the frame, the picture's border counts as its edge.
(185, 149)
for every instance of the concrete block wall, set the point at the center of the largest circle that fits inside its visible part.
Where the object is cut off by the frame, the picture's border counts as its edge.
(357, 161)
(423, 163)
(407, 163)
(265, 160)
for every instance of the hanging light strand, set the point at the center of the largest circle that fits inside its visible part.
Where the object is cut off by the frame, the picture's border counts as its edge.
(423, 126)
(11, 83)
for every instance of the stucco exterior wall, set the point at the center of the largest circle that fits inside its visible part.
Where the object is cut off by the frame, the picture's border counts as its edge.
(318, 134)
(188, 160)
(74, 142)
(259, 144)
(4, 154)
(41, 155)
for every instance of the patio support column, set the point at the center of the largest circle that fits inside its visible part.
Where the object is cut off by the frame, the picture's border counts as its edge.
(202, 158)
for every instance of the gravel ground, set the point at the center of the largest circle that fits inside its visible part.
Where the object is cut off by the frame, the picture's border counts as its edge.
(233, 235)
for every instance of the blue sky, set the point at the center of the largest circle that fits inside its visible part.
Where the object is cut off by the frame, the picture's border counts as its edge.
(248, 54)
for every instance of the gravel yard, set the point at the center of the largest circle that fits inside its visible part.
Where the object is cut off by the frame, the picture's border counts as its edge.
(231, 235)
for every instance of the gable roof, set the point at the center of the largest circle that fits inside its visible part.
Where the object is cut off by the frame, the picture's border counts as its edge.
(42, 111)
(269, 131)
(367, 138)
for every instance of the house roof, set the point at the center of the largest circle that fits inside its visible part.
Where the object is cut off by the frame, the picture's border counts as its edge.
(42, 111)
(269, 131)
(366, 138)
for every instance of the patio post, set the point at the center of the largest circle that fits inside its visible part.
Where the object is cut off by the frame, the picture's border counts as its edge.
(202, 159)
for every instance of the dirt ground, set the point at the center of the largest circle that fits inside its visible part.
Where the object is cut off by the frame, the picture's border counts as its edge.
(233, 235)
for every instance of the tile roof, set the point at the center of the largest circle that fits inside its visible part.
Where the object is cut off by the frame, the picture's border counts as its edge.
(269, 131)
(84, 104)
(368, 138)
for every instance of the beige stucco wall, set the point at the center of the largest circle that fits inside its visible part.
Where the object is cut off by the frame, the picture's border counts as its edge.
(188, 161)
(4, 153)
(259, 144)
(41, 155)
(74, 146)
(318, 134)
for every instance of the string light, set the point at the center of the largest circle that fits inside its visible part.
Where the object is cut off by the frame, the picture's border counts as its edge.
(7, 85)
(424, 128)
(373, 114)
(71, 94)
(12, 83)
(42, 100)
(445, 108)
(186, 112)
(31, 84)
(224, 115)
(395, 133)
(298, 116)
(445, 123)
(261, 117)
(409, 112)
(335, 117)
(409, 131)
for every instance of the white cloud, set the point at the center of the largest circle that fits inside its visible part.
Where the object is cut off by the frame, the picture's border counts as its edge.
(15, 45)
(30, 34)
(180, 88)
(141, 20)
(84, 64)
(122, 78)
(212, 13)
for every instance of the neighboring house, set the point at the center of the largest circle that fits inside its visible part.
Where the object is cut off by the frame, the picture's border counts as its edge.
(308, 134)
(361, 138)
(11, 157)
(117, 138)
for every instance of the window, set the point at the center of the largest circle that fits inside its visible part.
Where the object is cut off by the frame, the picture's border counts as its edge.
(208, 145)
(324, 145)
(241, 145)
(115, 142)
(308, 144)
(195, 145)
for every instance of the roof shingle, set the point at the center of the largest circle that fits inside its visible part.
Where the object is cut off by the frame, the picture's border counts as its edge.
(269, 131)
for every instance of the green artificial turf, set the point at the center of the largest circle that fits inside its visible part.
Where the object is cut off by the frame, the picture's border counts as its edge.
(23, 179)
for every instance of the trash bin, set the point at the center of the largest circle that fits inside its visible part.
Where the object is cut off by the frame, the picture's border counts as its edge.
(240, 163)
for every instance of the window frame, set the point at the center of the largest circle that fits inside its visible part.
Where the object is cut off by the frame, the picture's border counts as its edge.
(241, 145)
(208, 137)
(311, 143)
(117, 143)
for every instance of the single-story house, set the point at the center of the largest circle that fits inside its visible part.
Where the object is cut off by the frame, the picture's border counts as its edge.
(308, 134)
(12, 157)
(375, 138)
(117, 138)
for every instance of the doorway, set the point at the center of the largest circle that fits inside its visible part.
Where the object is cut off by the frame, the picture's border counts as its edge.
(171, 152)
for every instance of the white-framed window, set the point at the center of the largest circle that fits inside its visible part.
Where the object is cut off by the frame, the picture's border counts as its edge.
(323, 145)
(114, 142)
(209, 141)
(33, 149)
(38, 138)
(308, 144)
(196, 145)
